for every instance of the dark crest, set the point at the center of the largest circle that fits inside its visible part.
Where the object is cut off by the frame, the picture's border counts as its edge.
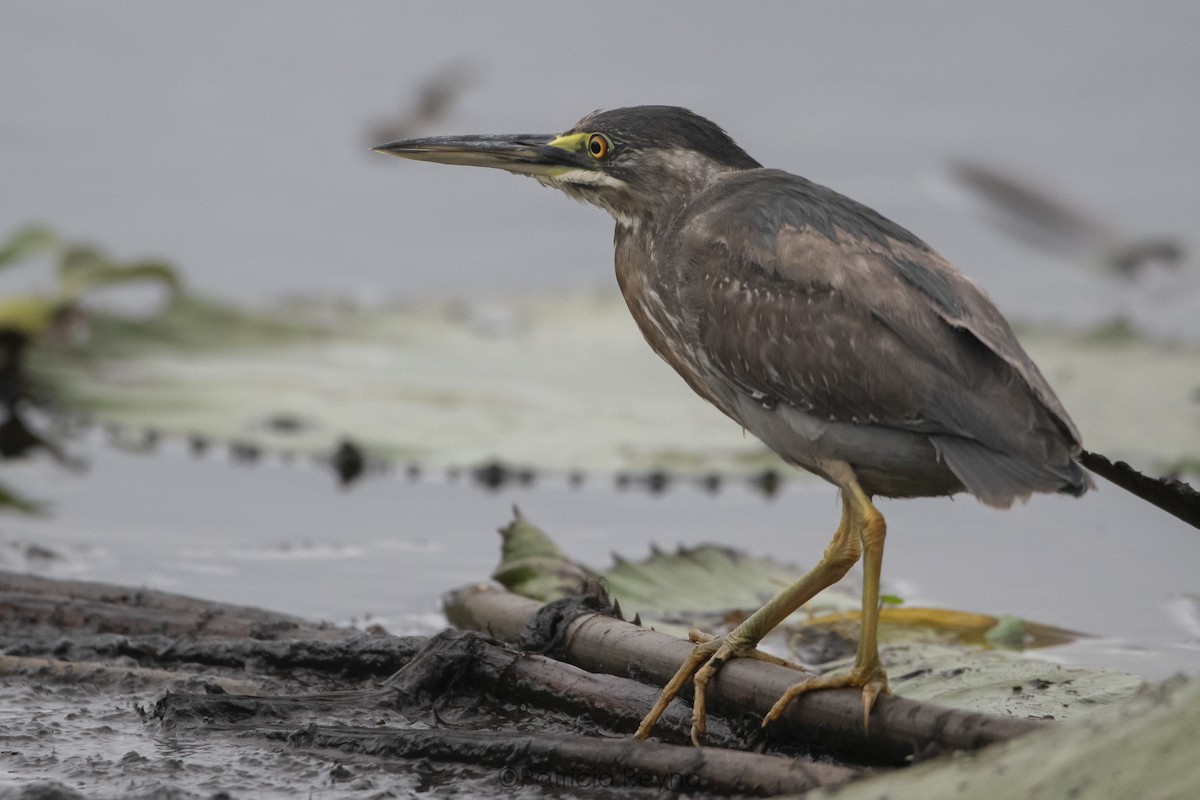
(667, 127)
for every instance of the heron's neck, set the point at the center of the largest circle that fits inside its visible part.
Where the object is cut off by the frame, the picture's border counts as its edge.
(664, 186)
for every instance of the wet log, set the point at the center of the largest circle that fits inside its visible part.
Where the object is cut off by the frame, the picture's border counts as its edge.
(356, 655)
(103, 676)
(456, 663)
(462, 663)
(86, 607)
(558, 762)
(744, 688)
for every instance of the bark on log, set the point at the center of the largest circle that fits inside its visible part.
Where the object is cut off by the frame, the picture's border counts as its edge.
(899, 728)
(354, 656)
(85, 607)
(570, 763)
(466, 664)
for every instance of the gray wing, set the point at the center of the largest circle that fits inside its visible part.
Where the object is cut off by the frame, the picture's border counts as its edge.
(801, 296)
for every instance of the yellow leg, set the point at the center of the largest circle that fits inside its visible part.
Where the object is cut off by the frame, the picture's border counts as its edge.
(867, 672)
(711, 652)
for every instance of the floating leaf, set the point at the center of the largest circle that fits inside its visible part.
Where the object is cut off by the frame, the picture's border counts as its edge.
(531, 564)
(84, 269)
(28, 314)
(13, 501)
(1008, 631)
(1142, 748)
(998, 681)
(81, 269)
(25, 243)
(556, 384)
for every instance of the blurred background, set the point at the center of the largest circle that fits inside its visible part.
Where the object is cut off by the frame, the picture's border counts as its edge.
(234, 140)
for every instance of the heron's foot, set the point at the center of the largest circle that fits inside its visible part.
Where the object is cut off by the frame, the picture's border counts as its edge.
(709, 654)
(868, 675)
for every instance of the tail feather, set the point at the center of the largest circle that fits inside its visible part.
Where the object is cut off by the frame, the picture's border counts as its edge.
(998, 479)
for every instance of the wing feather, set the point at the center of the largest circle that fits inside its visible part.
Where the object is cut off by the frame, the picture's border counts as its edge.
(806, 298)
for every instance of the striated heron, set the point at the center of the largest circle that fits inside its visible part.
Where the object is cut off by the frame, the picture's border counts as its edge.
(839, 338)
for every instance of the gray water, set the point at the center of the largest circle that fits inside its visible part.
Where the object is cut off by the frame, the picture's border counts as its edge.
(234, 140)
(286, 537)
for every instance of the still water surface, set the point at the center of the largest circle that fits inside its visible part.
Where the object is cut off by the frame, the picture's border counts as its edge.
(287, 538)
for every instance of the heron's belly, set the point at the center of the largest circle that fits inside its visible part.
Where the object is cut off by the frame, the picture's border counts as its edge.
(887, 462)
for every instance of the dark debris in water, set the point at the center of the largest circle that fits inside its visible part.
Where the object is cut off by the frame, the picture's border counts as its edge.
(18, 437)
(350, 461)
(497, 474)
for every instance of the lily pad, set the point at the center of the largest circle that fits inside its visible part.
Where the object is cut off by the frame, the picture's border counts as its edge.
(1142, 748)
(81, 270)
(554, 384)
(531, 565)
(13, 501)
(998, 681)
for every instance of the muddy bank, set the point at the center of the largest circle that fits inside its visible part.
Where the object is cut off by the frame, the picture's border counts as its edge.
(113, 692)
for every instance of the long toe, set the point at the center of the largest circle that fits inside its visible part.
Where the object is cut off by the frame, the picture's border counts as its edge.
(871, 678)
(729, 650)
(705, 649)
(706, 658)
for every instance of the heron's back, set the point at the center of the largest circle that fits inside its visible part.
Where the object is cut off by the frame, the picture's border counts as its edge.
(835, 335)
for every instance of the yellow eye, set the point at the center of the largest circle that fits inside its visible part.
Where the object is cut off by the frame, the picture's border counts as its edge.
(598, 146)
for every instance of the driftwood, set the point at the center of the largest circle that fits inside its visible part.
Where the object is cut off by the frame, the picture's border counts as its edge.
(356, 655)
(433, 668)
(899, 729)
(574, 762)
(86, 607)
(533, 758)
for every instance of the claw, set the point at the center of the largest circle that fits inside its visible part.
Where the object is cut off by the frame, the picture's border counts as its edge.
(705, 646)
(708, 656)
(870, 693)
(869, 677)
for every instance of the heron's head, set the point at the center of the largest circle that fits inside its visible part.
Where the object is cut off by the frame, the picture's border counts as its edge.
(632, 162)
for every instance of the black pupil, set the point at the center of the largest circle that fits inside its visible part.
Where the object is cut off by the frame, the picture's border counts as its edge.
(596, 146)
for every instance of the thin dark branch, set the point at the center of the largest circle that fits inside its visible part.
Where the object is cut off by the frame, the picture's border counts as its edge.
(1171, 495)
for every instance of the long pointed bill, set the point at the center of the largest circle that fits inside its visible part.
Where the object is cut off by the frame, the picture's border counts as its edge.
(539, 155)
